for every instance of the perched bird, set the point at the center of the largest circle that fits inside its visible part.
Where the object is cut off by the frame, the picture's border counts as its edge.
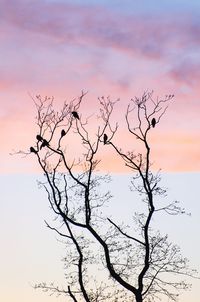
(33, 150)
(75, 114)
(105, 138)
(153, 122)
(39, 138)
(44, 144)
(63, 133)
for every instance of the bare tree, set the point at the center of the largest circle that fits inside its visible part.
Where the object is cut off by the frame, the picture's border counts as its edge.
(107, 258)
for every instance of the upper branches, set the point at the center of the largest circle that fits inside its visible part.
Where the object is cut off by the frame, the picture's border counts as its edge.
(148, 113)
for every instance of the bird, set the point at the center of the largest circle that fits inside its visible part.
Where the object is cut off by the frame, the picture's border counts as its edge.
(153, 122)
(75, 114)
(44, 144)
(63, 133)
(105, 138)
(33, 150)
(39, 138)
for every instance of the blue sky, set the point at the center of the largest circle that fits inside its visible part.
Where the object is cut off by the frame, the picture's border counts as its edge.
(30, 252)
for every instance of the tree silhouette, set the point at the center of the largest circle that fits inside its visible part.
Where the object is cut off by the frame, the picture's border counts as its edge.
(107, 259)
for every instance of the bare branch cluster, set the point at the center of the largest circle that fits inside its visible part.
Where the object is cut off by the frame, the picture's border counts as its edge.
(134, 259)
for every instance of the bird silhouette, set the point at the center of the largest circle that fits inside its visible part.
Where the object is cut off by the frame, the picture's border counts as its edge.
(75, 114)
(44, 144)
(39, 138)
(63, 133)
(33, 150)
(105, 138)
(153, 122)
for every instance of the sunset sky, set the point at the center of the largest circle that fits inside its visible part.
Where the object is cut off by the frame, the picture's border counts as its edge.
(117, 48)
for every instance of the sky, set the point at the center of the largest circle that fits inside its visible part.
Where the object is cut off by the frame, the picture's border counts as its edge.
(115, 48)
(106, 48)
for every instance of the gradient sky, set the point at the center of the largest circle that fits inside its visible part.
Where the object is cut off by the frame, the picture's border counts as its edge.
(116, 48)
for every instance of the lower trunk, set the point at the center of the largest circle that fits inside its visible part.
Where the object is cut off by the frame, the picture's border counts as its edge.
(138, 297)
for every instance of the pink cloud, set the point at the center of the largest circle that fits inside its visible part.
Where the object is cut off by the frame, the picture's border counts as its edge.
(177, 150)
(59, 49)
(175, 142)
(84, 25)
(59, 42)
(187, 72)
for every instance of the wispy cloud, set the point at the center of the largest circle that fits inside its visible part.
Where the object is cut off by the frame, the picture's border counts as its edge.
(60, 48)
(187, 71)
(144, 35)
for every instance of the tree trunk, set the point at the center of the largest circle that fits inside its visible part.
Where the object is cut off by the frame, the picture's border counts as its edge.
(139, 297)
